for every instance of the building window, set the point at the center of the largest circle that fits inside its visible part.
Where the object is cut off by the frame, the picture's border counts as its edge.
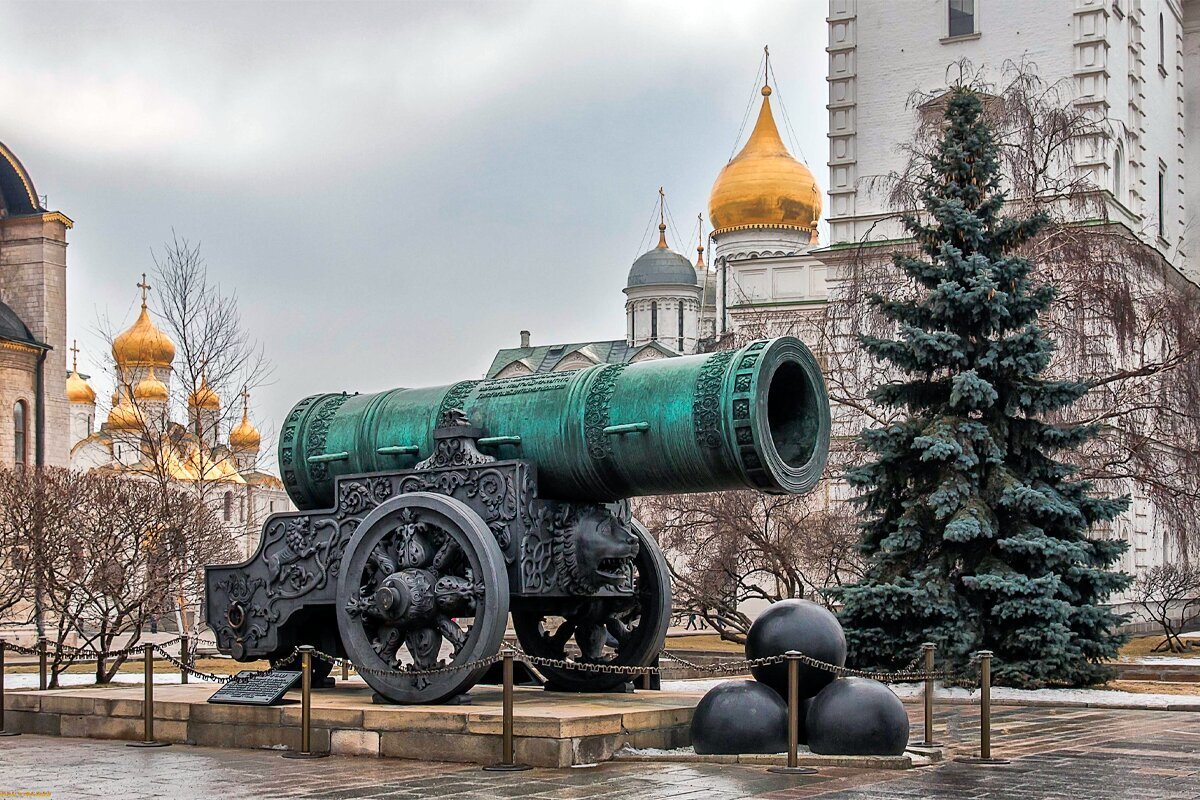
(1162, 204)
(1162, 45)
(1118, 157)
(20, 434)
(271, 506)
(680, 348)
(228, 509)
(962, 17)
(633, 324)
(654, 320)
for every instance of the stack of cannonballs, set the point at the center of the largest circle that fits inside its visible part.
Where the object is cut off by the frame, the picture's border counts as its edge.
(838, 716)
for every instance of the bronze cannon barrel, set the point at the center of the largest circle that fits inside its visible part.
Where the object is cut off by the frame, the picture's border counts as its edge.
(756, 417)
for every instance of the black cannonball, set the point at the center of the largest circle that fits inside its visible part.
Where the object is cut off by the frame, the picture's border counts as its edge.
(857, 717)
(740, 717)
(796, 625)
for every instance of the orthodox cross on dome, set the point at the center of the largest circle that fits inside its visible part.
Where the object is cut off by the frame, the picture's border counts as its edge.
(245, 401)
(662, 218)
(74, 355)
(766, 70)
(145, 287)
(700, 243)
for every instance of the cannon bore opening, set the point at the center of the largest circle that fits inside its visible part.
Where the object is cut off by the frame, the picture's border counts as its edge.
(792, 414)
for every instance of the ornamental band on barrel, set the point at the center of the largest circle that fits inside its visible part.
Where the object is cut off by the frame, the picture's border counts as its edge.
(428, 515)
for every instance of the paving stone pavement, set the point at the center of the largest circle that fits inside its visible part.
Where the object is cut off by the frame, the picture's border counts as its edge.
(1080, 754)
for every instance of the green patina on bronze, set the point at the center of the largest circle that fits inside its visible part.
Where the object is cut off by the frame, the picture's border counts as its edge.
(756, 417)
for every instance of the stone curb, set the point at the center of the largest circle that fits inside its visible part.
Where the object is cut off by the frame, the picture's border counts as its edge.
(1190, 704)
(910, 760)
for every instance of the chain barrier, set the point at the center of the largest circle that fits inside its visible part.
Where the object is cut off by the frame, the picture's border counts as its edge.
(965, 678)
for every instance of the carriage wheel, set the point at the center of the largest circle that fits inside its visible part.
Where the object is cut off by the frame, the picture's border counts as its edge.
(422, 585)
(625, 631)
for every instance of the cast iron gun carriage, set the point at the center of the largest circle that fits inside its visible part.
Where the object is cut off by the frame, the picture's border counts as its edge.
(428, 515)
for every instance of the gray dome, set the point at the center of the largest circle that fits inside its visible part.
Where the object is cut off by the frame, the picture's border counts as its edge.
(661, 265)
(12, 328)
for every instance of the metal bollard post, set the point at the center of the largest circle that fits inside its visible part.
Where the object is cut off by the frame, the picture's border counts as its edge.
(345, 669)
(183, 659)
(930, 650)
(3, 732)
(306, 653)
(985, 714)
(148, 703)
(42, 683)
(793, 759)
(507, 763)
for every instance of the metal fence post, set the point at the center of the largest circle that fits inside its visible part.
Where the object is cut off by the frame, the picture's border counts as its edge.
(345, 669)
(42, 682)
(3, 732)
(507, 762)
(930, 650)
(306, 653)
(183, 659)
(793, 757)
(985, 714)
(148, 703)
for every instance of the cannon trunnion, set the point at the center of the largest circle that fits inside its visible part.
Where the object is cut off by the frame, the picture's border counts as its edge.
(429, 515)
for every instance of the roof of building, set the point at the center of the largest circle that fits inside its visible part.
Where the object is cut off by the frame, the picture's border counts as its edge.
(17, 194)
(763, 186)
(13, 329)
(662, 265)
(546, 357)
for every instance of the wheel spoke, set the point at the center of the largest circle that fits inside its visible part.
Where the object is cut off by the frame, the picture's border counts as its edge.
(387, 643)
(454, 634)
(424, 644)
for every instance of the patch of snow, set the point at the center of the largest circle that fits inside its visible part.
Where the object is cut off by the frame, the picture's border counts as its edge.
(1162, 661)
(696, 685)
(1091, 697)
(656, 751)
(29, 680)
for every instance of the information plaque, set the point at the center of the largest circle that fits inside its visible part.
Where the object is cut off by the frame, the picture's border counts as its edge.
(257, 688)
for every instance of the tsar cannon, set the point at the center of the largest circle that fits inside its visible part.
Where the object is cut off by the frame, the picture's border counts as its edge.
(427, 516)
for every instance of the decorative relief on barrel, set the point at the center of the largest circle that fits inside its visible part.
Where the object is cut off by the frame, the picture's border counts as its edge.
(706, 403)
(318, 429)
(456, 396)
(743, 383)
(595, 411)
(525, 384)
(287, 441)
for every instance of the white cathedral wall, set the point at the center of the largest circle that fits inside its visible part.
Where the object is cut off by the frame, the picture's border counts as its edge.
(645, 301)
(1105, 52)
(17, 383)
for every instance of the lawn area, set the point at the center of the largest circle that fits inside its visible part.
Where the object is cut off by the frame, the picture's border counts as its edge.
(708, 641)
(1144, 646)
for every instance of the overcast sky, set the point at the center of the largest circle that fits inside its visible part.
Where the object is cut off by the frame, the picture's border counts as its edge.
(393, 190)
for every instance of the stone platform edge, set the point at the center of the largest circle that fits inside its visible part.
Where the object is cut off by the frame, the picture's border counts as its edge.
(469, 733)
(909, 760)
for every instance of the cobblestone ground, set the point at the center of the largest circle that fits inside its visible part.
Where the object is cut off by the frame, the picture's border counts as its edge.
(1081, 754)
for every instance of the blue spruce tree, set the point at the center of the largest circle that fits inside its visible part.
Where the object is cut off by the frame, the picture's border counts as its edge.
(975, 535)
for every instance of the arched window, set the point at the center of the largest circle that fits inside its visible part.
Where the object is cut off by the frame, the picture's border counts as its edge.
(228, 509)
(654, 319)
(680, 348)
(20, 434)
(1118, 183)
(1162, 203)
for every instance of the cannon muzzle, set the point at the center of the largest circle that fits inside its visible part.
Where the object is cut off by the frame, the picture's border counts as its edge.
(756, 417)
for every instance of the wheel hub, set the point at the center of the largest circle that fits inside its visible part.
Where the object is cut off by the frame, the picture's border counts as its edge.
(405, 596)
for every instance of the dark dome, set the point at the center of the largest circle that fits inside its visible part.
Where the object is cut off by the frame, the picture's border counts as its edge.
(12, 328)
(661, 265)
(17, 195)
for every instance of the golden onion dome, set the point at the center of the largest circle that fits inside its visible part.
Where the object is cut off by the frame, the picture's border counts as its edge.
(244, 435)
(204, 397)
(124, 416)
(763, 186)
(79, 390)
(150, 388)
(143, 344)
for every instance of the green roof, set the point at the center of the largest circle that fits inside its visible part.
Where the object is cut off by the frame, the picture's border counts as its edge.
(545, 358)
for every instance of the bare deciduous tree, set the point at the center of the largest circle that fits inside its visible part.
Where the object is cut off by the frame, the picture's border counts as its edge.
(1169, 594)
(725, 549)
